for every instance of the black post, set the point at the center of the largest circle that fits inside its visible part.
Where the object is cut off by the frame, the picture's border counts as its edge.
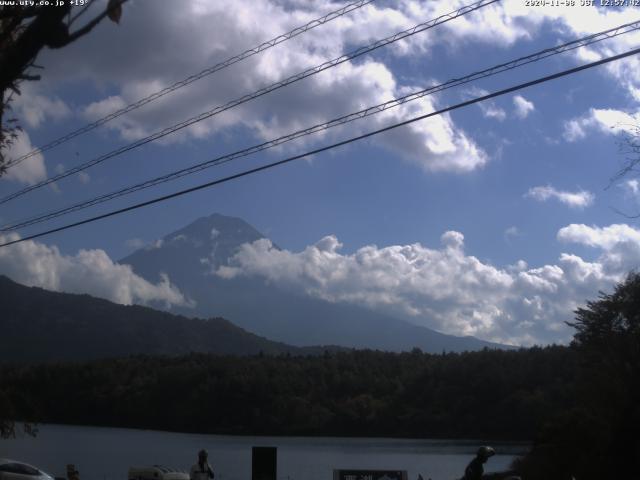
(264, 463)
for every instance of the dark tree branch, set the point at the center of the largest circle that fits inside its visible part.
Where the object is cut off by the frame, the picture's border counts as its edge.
(24, 32)
(92, 24)
(82, 11)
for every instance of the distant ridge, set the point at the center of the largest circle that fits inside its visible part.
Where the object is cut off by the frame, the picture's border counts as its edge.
(40, 326)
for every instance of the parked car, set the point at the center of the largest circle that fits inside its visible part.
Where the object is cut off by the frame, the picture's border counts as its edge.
(156, 472)
(14, 470)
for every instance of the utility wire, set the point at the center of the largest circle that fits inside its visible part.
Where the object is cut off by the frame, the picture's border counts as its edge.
(329, 147)
(189, 80)
(534, 57)
(263, 91)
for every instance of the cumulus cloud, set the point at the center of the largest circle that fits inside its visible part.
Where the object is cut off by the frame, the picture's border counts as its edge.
(89, 271)
(409, 280)
(28, 171)
(605, 238)
(435, 144)
(33, 107)
(606, 121)
(447, 289)
(212, 32)
(579, 199)
(620, 244)
(523, 107)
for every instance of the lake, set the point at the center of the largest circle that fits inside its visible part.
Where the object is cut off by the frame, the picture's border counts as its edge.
(107, 453)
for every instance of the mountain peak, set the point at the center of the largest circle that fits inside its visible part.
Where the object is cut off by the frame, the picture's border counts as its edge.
(216, 228)
(193, 255)
(196, 249)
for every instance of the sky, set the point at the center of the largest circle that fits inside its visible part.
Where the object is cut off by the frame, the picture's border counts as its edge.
(496, 220)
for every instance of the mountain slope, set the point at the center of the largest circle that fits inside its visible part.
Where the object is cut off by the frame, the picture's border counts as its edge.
(191, 255)
(39, 325)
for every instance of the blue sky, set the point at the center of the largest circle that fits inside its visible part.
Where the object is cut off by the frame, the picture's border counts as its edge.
(495, 220)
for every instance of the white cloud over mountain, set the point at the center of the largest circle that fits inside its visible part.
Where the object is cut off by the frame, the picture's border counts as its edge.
(89, 271)
(447, 289)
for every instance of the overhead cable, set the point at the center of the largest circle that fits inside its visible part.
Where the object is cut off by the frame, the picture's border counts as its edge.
(193, 78)
(263, 91)
(328, 147)
(534, 57)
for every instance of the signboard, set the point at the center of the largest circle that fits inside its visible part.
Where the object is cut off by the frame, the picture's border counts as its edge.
(369, 475)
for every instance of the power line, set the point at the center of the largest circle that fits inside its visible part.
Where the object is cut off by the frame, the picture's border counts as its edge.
(329, 147)
(263, 91)
(189, 80)
(534, 57)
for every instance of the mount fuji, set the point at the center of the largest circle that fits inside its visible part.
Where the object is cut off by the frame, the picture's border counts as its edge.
(191, 255)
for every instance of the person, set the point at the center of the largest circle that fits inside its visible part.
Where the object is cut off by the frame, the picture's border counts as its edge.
(72, 472)
(475, 469)
(201, 470)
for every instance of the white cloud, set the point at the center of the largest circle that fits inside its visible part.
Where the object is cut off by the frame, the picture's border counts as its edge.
(89, 271)
(84, 178)
(523, 106)
(606, 238)
(632, 186)
(35, 108)
(488, 108)
(135, 243)
(103, 107)
(512, 232)
(491, 111)
(580, 199)
(574, 130)
(218, 31)
(620, 244)
(28, 171)
(157, 244)
(435, 144)
(606, 121)
(213, 31)
(446, 289)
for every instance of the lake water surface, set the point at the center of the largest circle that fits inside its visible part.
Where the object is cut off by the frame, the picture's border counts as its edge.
(107, 453)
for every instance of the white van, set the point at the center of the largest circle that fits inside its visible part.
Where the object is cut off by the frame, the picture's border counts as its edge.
(156, 472)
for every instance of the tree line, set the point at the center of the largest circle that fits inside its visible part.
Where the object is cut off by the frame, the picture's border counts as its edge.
(491, 393)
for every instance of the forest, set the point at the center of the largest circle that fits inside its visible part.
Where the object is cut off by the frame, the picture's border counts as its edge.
(579, 405)
(360, 393)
